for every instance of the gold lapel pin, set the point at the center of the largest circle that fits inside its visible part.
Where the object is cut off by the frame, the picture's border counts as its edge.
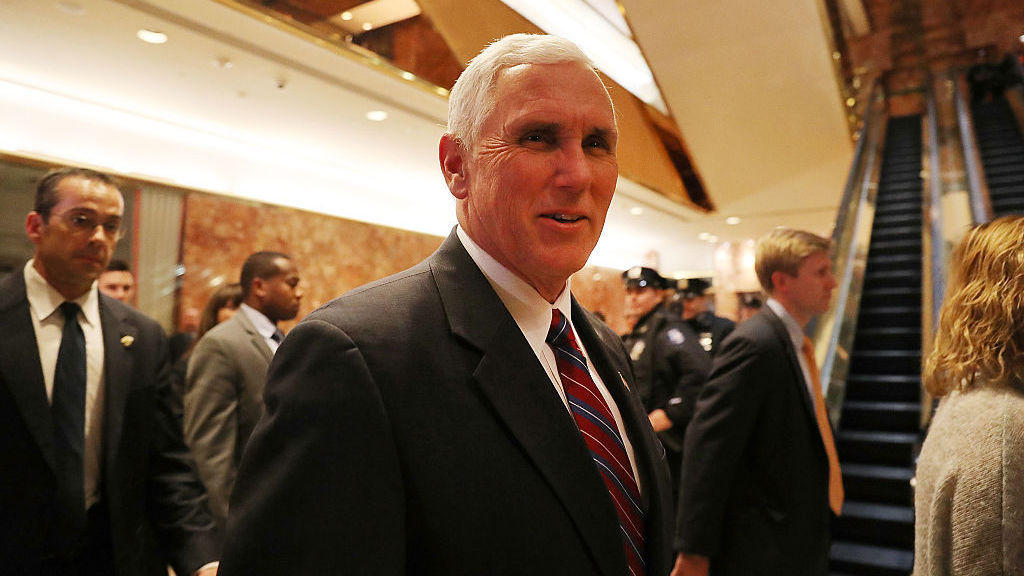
(127, 341)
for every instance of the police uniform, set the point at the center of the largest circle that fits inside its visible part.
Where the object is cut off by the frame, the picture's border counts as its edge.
(670, 368)
(711, 330)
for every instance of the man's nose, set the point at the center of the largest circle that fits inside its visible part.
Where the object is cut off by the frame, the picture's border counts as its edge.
(574, 169)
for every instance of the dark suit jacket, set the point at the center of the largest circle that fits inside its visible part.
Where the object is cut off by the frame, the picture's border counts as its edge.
(754, 492)
(410, 429)
(156, 505)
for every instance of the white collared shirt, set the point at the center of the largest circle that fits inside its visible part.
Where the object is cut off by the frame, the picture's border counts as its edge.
(532, 313)
(262, 324)
(796, 336)
(48, 322)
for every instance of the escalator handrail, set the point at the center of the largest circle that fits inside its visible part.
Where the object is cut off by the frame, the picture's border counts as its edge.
(977, 192)
(934, 215)
(861, 180)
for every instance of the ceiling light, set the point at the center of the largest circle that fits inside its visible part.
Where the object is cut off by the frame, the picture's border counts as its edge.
(346, 15)
(151, 36)
(377, 115)
(636, 210)
(712, 238)
(408, 75)
(703, 236)
(441, 91)
(223, 63)
(367, 26)
(733, 220)
(851, 101)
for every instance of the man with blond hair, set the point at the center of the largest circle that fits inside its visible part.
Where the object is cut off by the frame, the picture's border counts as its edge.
(467, 416)
(761, 479)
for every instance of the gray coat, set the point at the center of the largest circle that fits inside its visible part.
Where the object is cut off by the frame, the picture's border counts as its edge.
(223, 402)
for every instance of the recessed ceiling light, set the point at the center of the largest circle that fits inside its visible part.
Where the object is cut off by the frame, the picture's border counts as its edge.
(441, 91)
(636, 210)
(1021, 38)
(712, 238)
(377, 115)
(367, 26)
(151, 36)
(733, 220)
(346, 15)
(223, 63)
(408, 75)
(703, 236)
(69, 7)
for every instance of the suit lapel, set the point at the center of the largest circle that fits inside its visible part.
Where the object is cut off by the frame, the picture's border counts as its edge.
(118, 338)
(794, 364)
(255, 338)
(523, 398)
(20, 365)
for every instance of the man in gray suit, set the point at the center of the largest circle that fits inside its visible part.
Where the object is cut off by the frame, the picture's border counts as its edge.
(227, 371)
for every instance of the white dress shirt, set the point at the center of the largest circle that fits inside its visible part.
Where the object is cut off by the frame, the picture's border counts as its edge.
(532, 313)
(796, 336)
(263, 325)
(48, 322)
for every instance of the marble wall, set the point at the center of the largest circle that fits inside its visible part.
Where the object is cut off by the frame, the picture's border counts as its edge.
(333, 255)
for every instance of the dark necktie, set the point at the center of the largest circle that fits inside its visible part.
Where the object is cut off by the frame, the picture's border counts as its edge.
(595, 421)
(277, 336)
(68, 409)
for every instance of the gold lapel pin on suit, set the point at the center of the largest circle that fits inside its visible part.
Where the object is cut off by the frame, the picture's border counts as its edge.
(127, 340)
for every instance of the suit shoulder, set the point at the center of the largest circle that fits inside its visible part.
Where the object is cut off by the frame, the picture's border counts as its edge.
(378, 303)
(132, 316)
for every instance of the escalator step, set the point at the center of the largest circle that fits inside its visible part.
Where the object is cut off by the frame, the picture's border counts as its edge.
(869, 447)
(874, 483)
(874, 415)
(876, 524)
(870, 560)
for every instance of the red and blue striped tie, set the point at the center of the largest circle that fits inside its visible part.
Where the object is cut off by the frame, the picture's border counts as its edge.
(595, 421)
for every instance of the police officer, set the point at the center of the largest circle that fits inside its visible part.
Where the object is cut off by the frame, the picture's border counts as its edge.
(711, 329)
(669, 365)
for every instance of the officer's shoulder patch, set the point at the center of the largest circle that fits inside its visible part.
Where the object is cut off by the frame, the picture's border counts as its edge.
(675, 335)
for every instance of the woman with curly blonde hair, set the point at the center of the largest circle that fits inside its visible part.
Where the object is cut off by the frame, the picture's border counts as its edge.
(970, 476)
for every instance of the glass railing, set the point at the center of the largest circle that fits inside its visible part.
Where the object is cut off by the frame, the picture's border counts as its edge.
(833, 333)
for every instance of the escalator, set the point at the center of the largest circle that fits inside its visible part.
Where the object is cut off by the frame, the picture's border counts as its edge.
(1001, 148)
(879, 427)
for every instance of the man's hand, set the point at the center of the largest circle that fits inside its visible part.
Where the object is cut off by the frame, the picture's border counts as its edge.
(659, 420)
(690, 565)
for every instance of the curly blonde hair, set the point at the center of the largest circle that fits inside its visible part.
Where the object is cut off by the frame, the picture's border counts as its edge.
(981, 324)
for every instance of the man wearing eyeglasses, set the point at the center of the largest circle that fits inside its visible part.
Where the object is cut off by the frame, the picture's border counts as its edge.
(94, 476)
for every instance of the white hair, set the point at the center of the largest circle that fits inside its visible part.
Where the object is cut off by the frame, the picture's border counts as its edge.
(472, 97)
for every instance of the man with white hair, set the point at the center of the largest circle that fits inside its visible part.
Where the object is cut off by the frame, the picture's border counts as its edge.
(467, 416)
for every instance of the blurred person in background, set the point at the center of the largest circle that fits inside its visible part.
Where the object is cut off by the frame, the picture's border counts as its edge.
(117, 281)
(222, 305)
(227, 370)
(969, 501)
(697, 301)
(669, 365)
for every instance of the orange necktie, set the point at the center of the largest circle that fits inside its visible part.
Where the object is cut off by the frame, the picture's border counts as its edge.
(835, 475)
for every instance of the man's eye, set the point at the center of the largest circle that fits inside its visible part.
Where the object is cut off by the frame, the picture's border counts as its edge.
(539, 138)
(80, 220)
(111, 227)
(596, 142)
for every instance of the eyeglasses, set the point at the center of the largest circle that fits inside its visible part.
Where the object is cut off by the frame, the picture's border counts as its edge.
(84, 223)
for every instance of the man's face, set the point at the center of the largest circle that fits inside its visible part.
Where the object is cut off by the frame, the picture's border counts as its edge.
(534, 190)
(810, 291)
(73, 246)
(640, 301)
(279, 295)
(118, 284)
(694, 305)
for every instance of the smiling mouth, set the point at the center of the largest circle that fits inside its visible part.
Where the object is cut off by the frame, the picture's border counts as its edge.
(564, 218)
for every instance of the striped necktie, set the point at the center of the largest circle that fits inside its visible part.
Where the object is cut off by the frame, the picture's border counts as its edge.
(595, 422)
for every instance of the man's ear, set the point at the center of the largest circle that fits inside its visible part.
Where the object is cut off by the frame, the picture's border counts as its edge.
(259, 288)
(452, 155)
(34, 226)
(780, 281)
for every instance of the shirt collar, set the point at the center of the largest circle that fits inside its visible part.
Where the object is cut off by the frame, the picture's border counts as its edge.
(261, 323)
(44, 299)
(796, 333)
(528, 308)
